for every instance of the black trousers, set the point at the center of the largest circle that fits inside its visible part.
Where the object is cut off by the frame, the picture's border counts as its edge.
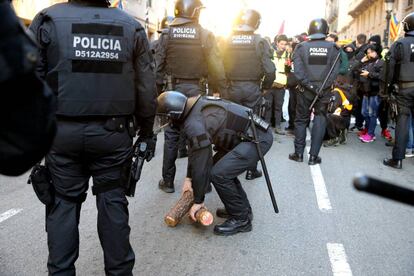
(173, 140)
(335, 124)
(229, 165)
(304, 101)
(293, 99)
(405, 100)
(383, 114)
(245, 93)
(275, 99)
(357, 112)
(84, 149)
(248, 94)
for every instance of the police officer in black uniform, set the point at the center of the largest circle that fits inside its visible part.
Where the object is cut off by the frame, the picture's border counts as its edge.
(312, 61)
(98, 63)
(402, 63)
(27, 105)
(186, 57)
(248, 64)
(163, 29)
(208, 121)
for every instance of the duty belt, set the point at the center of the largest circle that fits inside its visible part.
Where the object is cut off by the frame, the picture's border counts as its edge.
(405, 85)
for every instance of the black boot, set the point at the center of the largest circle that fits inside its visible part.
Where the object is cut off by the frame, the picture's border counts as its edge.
(166, 186)
(314, 160)
(296, 157)
(233, 226)
(222, 213)
(393, 163)
(253, 174)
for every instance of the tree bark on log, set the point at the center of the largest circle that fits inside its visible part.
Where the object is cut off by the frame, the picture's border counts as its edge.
(181, 208)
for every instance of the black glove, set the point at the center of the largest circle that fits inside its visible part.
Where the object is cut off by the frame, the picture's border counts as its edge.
(151, 142)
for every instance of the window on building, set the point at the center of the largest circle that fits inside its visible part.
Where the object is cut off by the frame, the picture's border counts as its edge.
(409, 3)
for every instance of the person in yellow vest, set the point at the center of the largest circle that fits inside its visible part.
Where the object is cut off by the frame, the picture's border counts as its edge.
(276, 95)
(339, 114)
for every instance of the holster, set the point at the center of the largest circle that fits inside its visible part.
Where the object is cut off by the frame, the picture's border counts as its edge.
(42, 184)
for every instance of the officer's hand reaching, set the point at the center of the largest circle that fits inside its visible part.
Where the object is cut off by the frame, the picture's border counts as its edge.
(194, 209)
(187, 186)
(151, 143)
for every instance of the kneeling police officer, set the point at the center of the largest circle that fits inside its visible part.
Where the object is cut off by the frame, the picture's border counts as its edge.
(98, 62)
(208, 122)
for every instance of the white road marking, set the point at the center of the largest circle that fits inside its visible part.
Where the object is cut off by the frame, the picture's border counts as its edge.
(320, 188)
(8, 214)
(339, 263)
(308, 135)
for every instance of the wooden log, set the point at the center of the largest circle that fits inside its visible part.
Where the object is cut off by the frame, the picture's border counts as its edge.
(204, 217)
(181, 208)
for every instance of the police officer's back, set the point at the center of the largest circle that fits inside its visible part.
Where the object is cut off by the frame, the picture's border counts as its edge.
(312, 61)
(97, 61)
(187, 58)
(401, 73)
(247, 61)
(248, 65)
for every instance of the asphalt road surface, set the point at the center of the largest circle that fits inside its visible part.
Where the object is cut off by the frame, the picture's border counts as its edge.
(325, 227)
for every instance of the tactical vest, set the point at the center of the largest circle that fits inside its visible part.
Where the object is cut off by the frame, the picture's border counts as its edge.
(236, 124)
(94, 74)
(319, 55)
(407, 64)
(241, 60)
(280, 64)
(185, 53)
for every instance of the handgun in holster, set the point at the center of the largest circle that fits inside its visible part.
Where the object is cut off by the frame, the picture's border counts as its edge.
(42, 184)
(138, 158)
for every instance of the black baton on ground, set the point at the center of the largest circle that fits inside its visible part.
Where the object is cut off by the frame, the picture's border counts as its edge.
(262, 161)
(320, 91)
(384, 189)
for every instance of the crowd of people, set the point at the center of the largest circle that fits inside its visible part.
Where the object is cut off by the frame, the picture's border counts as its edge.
(359, 92)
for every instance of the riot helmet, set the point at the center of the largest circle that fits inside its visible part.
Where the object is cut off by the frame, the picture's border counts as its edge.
(171, 104)
(247, 21)
(318, 29)
(408, 23)
(104, 3)
(165, 23)
(188, 8)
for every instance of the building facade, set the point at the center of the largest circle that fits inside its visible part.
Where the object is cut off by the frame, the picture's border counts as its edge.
(148, 12)
(353, 17)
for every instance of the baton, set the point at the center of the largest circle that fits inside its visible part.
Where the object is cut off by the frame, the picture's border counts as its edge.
(384, 189)
(262, 161)
(319, 93)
